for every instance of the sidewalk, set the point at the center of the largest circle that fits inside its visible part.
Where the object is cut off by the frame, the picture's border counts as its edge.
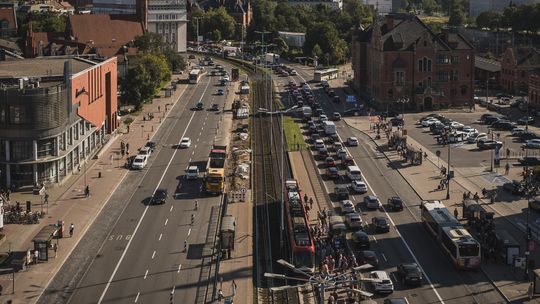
(424, 179)
(67, 202)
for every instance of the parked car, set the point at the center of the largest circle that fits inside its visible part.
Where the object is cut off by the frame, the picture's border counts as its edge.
(526, 120)
(151, 145)
(372, 202)
(353, 220)
(383, 283)
(395, 203)
(487, 144)
(368, 257)
(380, 224)
(514, 187)
(346, 206)
(139, 162)
(503, 125)
(517, 131)
(529, 161)
(532, 144)
(341, 192)
(358, 186)
(528, 135)
(397, 121)
(534, 204)
(146, 151)
(159, 197)
(429, 122)
(360, 239)
(323, 152)
(410, 274)
(319, 143)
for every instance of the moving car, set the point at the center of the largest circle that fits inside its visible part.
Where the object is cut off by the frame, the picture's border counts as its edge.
(192, 172)
(397, 121)
(185, 142)
(372, 202)
(486, 144)
(526, 120)
(353, 220)
(368, 257)
(360, 239)
(215, 107)
(380, 224)
(346, 206)
(199, 106)
(139, 162)
(151, 145)
(514, 187)
(352, 141)
(395, 203)
(159, 197)
(384, 283)
(534, 204)
(410, 274)
(226, 77)
(220, 92)
(336, 116)
(332, 172)
(358, 186)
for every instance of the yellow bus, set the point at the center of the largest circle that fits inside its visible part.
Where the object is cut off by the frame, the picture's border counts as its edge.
(215, 180)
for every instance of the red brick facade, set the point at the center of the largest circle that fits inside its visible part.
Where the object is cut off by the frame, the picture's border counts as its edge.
(516, 65)
(400, 57)
(94, 91)
(534, 89)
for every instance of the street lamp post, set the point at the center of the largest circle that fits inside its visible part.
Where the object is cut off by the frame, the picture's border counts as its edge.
(402, 101)
(448, 177)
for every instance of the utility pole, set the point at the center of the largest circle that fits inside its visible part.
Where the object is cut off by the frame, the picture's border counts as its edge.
(197, 19)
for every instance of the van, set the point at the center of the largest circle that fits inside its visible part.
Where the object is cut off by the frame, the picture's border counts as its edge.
(337, 225)
(353, 172)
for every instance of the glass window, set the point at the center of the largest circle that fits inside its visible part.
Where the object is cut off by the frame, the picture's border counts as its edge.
(18, 114)
(46, 147)
(21, 150)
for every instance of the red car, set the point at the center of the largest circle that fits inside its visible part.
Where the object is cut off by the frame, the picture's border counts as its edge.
(330, 162)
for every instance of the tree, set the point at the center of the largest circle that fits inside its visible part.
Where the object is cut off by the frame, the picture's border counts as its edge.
(325, 35)
(316, 51)
(281, 45)
(149, 42)
(42, 22)
(489, 19)
(457, 13)
(429, 6)
(175, 61)
(217, 19)
(214, 35)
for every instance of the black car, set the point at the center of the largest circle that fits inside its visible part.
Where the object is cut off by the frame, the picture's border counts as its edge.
(529, 161)
(526, 120)
(160, 196)
(410, 274)
(397, 121)
(129, 161)
(503, 95)
(503, 125)
(336, 99)
(528, 135)
(513, 187)
(341, 192)
(395, 203)
(151, 145)
(360, 239)
(199, 106)
(395, 301)
(485, 116)
(368, 257)
(488, 144)
(491, 119)
(380, 224)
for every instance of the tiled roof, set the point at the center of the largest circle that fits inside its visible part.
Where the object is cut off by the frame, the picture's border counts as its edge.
(113, 32)
(8, 13)
(487, 64)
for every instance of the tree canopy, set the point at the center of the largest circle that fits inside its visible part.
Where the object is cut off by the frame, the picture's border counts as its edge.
(457, 13)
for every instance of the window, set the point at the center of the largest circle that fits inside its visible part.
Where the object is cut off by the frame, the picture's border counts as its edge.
(21, 150)
(18, 115)
(464, 90)
(455, 59)
(429, 82)
(419, 65)
(425, 43)
(453, 92)
(429, 65)
(399, 77)
(46, 147)
(390, 93)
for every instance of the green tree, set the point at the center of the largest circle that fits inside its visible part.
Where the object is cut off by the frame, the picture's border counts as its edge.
(264, 19)
(175, 61)
(149, 42)
(430, 6)
(325, 35)
(457, 13)
(214, 35)
(316, 51)
(42, 22)
(218, 19)
(281, 45)
(489, 19)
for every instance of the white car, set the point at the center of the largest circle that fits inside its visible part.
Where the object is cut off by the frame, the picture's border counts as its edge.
(319, 144)
(347, 206)
(517, 131)
(359, 186)
(352, 141)
(475, 137)
(225, 77)
(338, 146)
(323, 118)
(139, 162)
(185, 142)
(353, 220)
(469, 129)
(192, 172)
(293, 73)
(382, 281)
(340, 153)
(146, 151)
(456, 125)
(429, 122)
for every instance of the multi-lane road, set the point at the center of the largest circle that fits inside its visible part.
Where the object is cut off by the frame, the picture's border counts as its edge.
(407, 240)
(142, 259)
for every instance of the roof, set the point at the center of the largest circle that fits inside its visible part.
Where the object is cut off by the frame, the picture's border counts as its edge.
(113, 32)
(8, 13)
(40, 67)
(45, 234)
(489, 65)
(527, 56)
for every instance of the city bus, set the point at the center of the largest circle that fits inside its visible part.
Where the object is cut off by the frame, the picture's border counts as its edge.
(195, 75)
(301, 245)
(327, 74)
(462, 249)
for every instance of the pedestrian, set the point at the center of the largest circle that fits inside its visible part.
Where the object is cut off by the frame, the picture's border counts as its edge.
(456, 213)
(530, 291)
(233, 288)
(310, 203)
(159, 108)
(36, 256)
(55, 248)
(46, 198)
(305, 197)
(506, 169)
(127, 147)
(220, 295)
(128, 128)
(87, 191)
(185, 246)
(71, 229)
(8, 192)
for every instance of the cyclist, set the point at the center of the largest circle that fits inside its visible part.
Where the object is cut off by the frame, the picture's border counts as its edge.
(196, 205)
(192, 219)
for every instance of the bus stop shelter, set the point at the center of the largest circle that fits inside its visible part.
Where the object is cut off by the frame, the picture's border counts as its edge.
(42, 241)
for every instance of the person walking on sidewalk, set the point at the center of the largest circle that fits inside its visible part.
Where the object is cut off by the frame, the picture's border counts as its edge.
(530, 291)
(71, 229)
(506, 169)
(456, 213)
(55, 248)
(87, 191)
(36, 256)
(220, 295)
(233, 288)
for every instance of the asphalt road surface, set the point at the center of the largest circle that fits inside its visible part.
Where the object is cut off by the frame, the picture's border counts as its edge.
(143, 258)
(407, 241)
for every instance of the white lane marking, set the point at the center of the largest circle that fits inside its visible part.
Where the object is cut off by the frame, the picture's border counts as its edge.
(384, 257)
(374, 239)
(193, 153)
(171, 208)
(179, 267)
(146, 274)
(189, 161)
(153, 254)
(137, 297)
(354, 198)
(166, 221)
(160, 235)
(143, 214)
(189, 232)
(406, 300)
(197, 139)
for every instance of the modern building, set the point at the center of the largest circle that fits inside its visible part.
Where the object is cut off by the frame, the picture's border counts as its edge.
(333, 4)
(516, 64)
(478, 6)
(55, 113)
(381, 6)
(399, 57)
(8, 20)
(293, 39)
(115, 7)
(169, 19)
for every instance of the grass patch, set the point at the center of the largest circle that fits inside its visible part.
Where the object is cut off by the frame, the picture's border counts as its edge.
(430, 20)
(292, 129)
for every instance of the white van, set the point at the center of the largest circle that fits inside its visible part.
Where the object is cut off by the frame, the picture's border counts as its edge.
(353, 172)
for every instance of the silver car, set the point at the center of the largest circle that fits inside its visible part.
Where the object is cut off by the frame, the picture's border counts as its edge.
(353, 220)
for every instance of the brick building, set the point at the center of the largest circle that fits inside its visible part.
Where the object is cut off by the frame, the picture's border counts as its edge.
(55, 113)
(516, 64)
(534, 89)
(8, 20)
(399, 56)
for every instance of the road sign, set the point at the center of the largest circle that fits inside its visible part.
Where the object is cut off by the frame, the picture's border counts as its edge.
(351, 99)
